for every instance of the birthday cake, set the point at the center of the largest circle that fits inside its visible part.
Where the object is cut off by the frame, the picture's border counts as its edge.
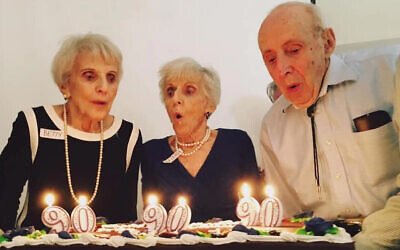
(257, 224)
(221, 232)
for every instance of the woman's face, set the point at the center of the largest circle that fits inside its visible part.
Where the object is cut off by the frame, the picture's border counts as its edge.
(186, 105)
(92, 86)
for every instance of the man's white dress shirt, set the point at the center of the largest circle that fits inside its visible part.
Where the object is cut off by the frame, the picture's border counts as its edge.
(357, 169)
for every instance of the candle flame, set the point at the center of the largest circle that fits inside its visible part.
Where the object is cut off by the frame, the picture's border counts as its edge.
(49, 199)
(82, 200)
(269, 190)
(246, 190)
(181, 201)
(152, 199)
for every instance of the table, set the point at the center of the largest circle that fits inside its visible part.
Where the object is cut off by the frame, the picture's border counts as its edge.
(231, 246)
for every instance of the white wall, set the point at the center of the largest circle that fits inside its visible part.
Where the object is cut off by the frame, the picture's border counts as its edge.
(357, 21)
(218, 33)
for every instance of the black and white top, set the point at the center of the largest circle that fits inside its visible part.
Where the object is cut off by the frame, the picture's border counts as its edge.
(35, 153)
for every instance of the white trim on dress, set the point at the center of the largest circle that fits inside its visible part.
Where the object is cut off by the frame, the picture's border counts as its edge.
(81, 135)
(131, 145)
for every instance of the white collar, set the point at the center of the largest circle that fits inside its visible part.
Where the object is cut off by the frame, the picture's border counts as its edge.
(51, 112)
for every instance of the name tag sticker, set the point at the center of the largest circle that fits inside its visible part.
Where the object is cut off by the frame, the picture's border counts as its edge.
(51, 134)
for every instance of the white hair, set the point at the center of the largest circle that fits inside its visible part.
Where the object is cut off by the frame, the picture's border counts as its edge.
(188, 68)
(71, 47)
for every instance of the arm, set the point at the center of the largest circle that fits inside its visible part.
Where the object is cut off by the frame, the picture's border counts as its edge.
(251, 171)
(15, 166)
(149, 182)
(274, 176)
(129, 194)
(381, 228)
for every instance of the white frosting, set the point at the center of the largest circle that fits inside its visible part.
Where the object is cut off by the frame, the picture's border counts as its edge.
(268, 238)
(219, 224)
(186, 239)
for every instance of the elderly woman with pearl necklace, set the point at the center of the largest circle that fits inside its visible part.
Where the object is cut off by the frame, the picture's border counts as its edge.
(204, 165)
(76, 148)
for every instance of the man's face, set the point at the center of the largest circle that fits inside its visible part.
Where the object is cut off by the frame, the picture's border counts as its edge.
(294, 55)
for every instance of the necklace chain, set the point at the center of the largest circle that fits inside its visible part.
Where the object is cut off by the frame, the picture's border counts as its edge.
(199, 144)
(71, 190)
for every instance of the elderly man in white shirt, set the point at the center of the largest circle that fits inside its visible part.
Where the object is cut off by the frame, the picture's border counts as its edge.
(328, 144)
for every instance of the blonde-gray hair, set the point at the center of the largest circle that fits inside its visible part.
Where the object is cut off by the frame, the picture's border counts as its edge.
(188, 68)
(72, 46)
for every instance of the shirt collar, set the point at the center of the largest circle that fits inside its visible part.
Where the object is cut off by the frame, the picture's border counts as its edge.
(337, 73)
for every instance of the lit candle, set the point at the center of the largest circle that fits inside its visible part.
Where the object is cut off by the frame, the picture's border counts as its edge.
(179, 216)
(248, 208)
(83, 217)
(155, 216)
(55, 217)
(271, 209)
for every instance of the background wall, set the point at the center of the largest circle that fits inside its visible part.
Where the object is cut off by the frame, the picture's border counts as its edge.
(358, 21)
(218, 33)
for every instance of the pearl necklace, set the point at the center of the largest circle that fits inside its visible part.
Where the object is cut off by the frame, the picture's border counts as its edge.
(178, 152)
(187, 144)
(200, 143)
(71, 190)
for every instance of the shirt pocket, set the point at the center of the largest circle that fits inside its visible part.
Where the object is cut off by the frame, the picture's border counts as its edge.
(380, 149)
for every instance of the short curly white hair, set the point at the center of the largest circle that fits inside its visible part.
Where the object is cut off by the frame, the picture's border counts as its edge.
(72, 46)
(188, 68)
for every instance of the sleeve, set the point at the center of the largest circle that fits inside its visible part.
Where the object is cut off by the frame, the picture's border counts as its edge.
(149, 183)
(249, 166)
(275, 177)
(381, 228)
(129, 197)
(15, 167)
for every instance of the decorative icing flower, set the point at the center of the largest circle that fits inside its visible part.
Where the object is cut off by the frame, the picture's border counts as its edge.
(127, 234)
(2, 238)
(64, 235)
(24, 231)
(182, 232)
(318, 226)
(244, 229)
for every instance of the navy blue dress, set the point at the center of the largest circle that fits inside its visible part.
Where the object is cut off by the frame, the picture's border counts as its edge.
(214, 191)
